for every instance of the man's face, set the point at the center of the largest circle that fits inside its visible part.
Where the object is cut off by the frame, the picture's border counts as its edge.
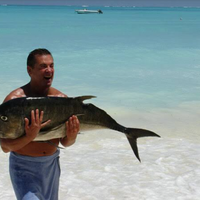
(43, 71)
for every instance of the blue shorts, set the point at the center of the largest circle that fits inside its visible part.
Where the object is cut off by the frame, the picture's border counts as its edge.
(35, 178)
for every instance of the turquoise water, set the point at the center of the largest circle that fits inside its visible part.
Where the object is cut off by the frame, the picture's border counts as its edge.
(143, 64)
(129, 57)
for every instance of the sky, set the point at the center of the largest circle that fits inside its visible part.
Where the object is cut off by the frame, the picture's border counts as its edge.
(193, 3)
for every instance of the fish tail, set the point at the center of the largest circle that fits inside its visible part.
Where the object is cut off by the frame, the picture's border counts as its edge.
(134, 133)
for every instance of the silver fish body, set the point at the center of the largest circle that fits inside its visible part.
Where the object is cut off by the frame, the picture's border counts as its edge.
(59, 110)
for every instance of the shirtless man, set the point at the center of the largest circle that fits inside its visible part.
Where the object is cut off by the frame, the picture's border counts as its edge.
(28, 183)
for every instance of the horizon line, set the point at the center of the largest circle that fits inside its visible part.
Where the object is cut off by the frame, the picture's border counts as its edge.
(100, 6)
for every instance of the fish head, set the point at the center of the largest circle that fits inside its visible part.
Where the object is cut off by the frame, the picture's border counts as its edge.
(9, 127)
(11, 121)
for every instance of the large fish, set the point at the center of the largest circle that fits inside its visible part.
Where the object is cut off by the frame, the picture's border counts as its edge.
(59, 110)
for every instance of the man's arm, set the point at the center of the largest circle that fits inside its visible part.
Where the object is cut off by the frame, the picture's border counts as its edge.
(72, 129)
(8, 145)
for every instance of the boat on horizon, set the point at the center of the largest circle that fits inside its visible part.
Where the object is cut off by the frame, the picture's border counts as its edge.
(86, 11)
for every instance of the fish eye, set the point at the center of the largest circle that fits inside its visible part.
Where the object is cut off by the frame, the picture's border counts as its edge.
(4, 118)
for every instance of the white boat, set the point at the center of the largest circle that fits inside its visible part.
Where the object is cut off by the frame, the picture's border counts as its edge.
(86, 11)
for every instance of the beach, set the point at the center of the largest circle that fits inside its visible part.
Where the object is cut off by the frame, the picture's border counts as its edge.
(143, 66)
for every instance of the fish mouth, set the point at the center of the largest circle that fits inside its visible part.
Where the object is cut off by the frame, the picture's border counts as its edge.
(2, 134)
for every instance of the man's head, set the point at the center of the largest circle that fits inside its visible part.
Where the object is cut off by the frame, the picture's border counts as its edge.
(31, 60)
(40, 67)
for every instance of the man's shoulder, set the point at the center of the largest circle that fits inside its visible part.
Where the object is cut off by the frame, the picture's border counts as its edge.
(19, 92)
(55, 92)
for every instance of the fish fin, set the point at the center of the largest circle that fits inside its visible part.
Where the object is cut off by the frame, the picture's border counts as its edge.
(134, 133)
(78, 115)
(83, 98)
(45, 130)
(133, 143)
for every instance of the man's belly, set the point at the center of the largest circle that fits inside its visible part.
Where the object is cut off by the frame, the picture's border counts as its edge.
(39, 148)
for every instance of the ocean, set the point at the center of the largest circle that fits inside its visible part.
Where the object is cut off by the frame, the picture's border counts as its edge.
(143, 65)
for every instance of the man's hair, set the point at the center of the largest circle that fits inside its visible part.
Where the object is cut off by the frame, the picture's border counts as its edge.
(31, 57)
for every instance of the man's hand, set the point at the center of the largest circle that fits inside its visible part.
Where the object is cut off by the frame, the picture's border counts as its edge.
(36, 124)
(72, 129)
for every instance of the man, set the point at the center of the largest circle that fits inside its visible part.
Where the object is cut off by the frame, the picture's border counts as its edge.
(34, 166)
